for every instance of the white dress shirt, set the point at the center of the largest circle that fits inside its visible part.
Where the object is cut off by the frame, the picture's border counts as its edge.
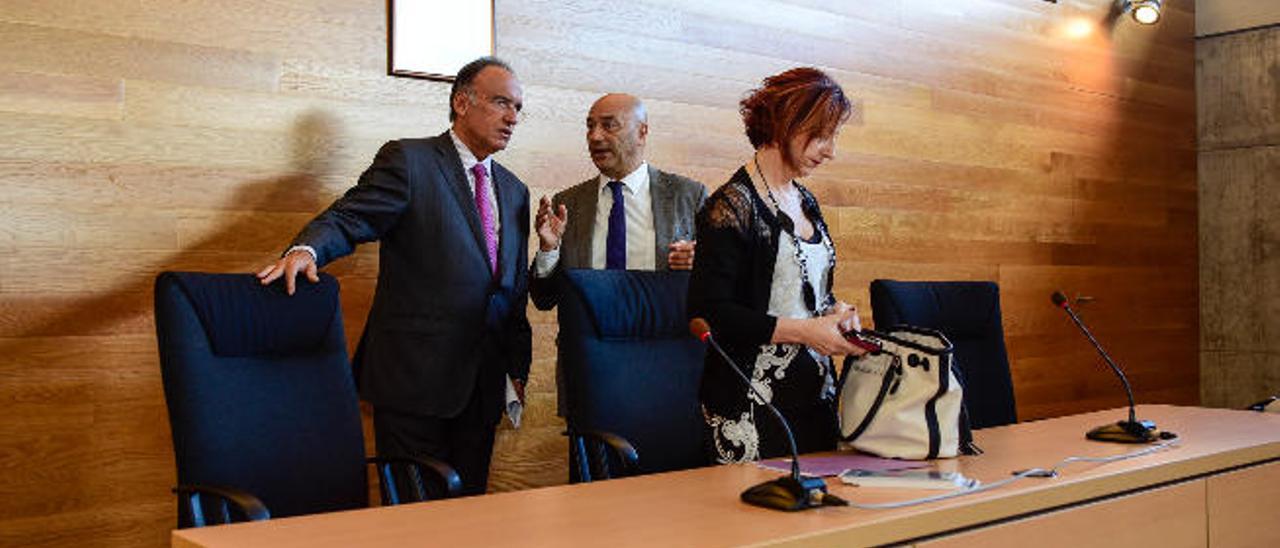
(469, 161)
(637, 207)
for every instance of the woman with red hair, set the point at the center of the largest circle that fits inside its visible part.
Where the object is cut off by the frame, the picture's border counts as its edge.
(764, 273)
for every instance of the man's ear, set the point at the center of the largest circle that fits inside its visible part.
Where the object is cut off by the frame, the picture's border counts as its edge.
(461, 102)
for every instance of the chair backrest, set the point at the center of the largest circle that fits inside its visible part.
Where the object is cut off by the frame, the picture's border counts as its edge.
(259, 390)
(630, 365)
(968, 313)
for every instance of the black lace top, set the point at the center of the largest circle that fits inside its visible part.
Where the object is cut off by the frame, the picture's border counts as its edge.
(732, 277)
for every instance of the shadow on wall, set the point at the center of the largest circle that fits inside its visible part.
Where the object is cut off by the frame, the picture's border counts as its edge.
(79, 372)
(316, 138)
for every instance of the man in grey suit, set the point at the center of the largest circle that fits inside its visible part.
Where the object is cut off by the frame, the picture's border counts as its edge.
(630, 216)
(448, 324)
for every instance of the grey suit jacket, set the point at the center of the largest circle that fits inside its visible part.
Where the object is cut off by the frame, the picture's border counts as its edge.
(675, 201)
(441, 325)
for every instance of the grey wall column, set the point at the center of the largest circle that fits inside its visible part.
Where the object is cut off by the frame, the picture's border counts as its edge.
(1238, 91)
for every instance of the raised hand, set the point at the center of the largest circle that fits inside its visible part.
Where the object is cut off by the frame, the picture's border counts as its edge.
(550, 224)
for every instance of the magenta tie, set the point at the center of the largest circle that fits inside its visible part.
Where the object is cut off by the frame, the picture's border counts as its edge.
(486, 216)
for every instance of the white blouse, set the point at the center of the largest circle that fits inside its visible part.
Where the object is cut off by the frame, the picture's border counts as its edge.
(786, 294)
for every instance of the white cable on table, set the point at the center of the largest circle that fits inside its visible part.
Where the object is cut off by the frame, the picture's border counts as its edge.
(1053, 472)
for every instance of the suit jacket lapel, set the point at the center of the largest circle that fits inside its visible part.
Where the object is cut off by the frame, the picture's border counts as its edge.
(661, 199)
(587, 200)
(456, 180)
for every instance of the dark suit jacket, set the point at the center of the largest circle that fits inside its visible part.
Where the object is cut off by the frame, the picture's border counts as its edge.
(440, 325)
(675, 201)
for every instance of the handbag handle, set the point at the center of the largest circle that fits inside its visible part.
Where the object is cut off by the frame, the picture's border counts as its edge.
(911, 344)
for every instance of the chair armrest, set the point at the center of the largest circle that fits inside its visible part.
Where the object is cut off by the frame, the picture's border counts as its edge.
(245, 503)
(622, 448)
(446, 480)
(591, 461)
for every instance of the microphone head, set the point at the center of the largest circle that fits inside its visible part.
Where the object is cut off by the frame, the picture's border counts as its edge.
(700, 328)
(1059, 299)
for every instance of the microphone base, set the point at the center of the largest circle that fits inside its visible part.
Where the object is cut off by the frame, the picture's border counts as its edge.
(789, 495)
(1125, 432)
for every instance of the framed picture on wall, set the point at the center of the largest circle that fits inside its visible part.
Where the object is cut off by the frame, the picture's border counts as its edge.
(432, 39)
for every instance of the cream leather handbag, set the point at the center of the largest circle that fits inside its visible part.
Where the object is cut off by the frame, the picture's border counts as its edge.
(904, 400)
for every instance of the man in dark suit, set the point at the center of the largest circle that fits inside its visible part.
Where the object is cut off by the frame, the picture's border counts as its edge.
(629, 216)
(448, 323)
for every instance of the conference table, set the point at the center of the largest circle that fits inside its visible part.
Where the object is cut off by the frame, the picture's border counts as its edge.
(1219, 485)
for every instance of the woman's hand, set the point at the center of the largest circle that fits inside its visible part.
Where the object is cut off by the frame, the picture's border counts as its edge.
(823, 334)
(853, 323)
(826, 337)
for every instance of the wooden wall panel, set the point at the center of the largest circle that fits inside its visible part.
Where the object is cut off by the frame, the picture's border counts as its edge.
(146, 135)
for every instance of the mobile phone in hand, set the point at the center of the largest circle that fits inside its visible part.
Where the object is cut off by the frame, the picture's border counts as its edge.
(862, 342)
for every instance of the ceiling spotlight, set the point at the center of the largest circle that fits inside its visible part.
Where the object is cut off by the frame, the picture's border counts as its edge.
(1146, 12)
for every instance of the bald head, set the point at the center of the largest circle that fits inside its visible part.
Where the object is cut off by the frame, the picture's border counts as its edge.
(622, 102)
(617, 129)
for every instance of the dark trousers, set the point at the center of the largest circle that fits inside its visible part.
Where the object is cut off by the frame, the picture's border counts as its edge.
(465, 442)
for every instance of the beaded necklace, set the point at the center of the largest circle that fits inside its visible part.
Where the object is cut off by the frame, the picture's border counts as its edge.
(820, 229)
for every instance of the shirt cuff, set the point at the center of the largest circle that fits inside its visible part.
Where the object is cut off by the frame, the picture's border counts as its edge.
(315, 258)
(544, 262)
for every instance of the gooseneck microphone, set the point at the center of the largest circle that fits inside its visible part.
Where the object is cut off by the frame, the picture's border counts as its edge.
(789, 493)
(1128, 431)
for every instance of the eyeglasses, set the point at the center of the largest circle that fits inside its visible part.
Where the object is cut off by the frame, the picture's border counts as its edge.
(502, 104)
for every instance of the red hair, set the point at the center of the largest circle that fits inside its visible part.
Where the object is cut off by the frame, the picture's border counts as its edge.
(799, 102)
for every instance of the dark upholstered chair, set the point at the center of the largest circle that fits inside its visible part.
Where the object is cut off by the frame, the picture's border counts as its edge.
(968, 313)
(631, 373)
(262, 405)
